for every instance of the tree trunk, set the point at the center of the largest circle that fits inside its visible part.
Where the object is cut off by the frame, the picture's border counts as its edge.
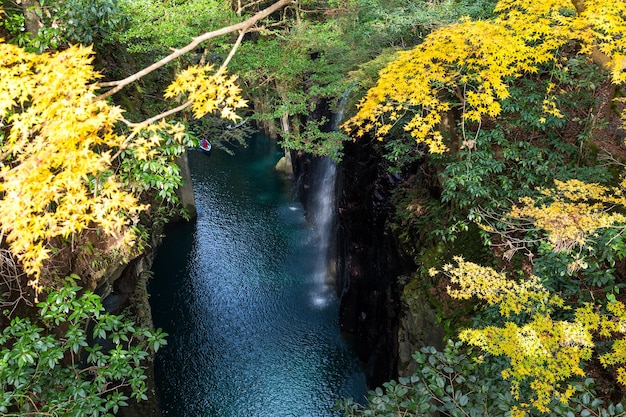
(32, 22)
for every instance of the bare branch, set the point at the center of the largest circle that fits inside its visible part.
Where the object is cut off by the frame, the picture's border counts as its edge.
(241, 8)
(11, 284)
(239, 27)
(161, 115)
(232, 51)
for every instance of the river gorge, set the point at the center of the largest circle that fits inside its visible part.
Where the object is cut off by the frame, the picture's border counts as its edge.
(244, 294)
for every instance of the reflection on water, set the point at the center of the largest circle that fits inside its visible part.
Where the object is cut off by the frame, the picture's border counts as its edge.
(253, 331)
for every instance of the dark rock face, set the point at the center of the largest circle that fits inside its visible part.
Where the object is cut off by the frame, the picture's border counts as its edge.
(418, 327)
(128, 291)
(369, 260)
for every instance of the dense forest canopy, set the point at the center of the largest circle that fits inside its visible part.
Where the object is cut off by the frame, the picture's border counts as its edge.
(512, 110)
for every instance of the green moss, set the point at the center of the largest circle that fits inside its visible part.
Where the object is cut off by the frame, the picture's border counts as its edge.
(451, 314)
(417, 215)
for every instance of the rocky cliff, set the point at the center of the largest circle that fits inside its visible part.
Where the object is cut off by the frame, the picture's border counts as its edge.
(388, 322)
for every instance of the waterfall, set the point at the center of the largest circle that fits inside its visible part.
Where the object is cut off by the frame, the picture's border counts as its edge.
(323, 219)
(341, 107)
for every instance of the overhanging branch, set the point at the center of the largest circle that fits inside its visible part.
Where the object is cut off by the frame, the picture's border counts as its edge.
(241, 27)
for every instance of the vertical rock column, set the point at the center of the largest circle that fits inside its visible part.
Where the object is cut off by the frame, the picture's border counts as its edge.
(185, 192)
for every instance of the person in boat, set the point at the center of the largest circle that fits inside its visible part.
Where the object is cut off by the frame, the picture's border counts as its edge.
(204, 144)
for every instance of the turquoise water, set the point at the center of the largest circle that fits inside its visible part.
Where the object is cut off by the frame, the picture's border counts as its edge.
(253, 328)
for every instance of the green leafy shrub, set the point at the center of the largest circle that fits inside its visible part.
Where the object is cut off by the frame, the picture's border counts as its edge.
(459, 383)
(59, 366)
(451, 382)
(63, 22)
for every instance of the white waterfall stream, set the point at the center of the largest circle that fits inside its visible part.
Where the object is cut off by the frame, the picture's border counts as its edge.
(323, 222)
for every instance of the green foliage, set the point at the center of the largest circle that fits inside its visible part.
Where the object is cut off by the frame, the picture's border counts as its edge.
(592, 267)
(288, 78)
(451, 382)
(417, 215)
(159, 172)
(376, 24)
(86, 21)
(14, 22)
(155, 27)
(365, 74)
(490, 172)
(82, 370)
(457, 383)
(64, 22)
(315, 141)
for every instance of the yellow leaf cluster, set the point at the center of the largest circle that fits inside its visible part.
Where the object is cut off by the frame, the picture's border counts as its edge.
(471, 63)
(54, 153)
(609, 326)
(146, 138)
(574, 212)
(473, 280)
(208, 91)
(472, 60)
(59, 143)
(601, 24)
(544, 354)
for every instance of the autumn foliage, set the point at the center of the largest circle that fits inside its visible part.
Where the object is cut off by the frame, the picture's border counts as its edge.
(469, 72)
(546, 354)
(57, 147)
(61, 146)
(471, 65)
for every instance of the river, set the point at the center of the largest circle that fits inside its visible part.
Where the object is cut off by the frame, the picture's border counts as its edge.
(252, 322)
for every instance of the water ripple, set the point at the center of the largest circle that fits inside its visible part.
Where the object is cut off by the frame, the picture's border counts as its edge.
(253, 330)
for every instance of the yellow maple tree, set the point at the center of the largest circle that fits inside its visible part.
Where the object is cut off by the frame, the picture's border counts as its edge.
(470, 65)
(60, 143)
(545, 354)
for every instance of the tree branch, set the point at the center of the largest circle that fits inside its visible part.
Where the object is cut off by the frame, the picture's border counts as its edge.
(161, 115)
(242, 27)
(232, 50)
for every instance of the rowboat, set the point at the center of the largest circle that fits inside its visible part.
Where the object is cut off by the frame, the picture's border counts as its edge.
(205, 145)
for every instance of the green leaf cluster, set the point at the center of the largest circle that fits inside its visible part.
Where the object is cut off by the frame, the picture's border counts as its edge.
(159, 174)
(81, 370)
(489, 173)
(62, 23)
(155, 27)
(452, 382)
(86, 21)
(458, 382)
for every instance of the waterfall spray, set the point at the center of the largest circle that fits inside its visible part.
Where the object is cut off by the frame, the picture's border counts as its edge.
(323, 219)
